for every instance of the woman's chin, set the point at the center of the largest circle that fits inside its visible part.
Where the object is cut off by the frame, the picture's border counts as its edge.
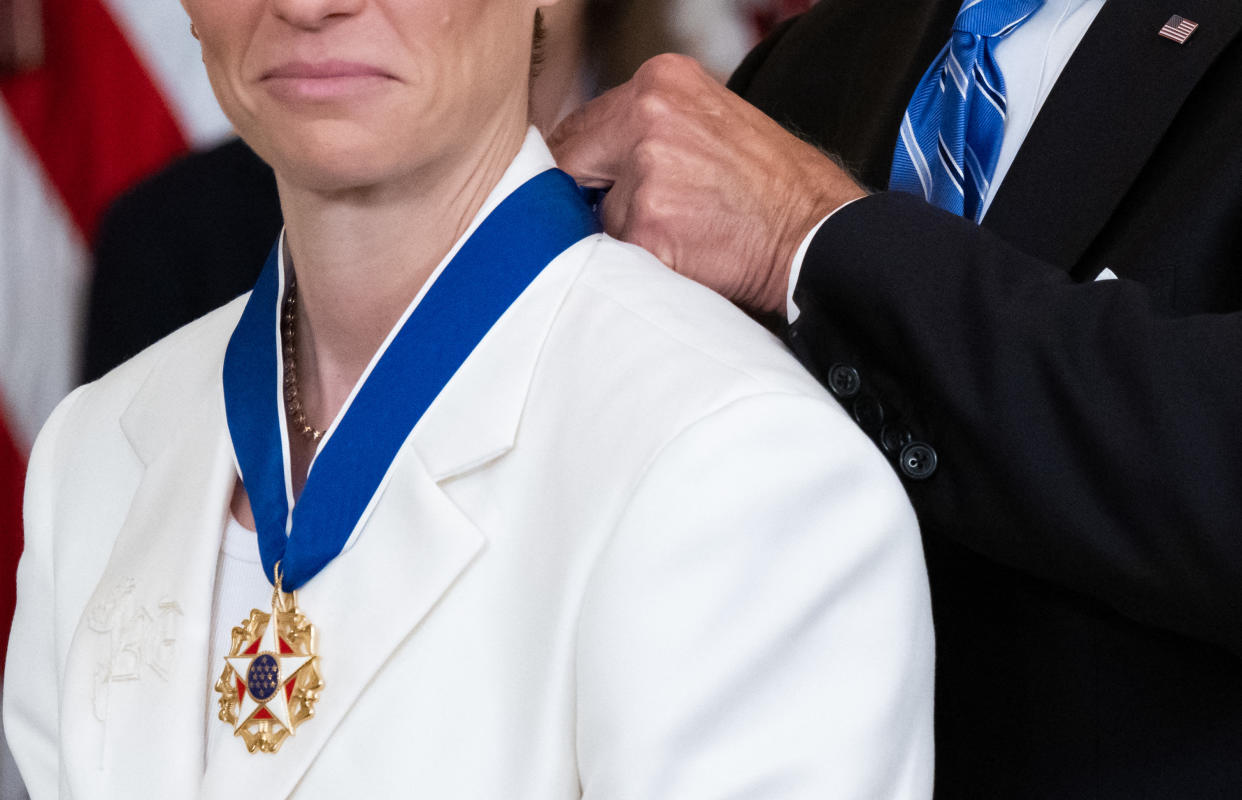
(333, 170)
(333, 178)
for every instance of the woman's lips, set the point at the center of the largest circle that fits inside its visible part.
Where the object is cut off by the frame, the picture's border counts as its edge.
(323, 81)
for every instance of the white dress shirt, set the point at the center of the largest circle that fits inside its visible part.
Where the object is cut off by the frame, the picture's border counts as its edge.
(1031, 59)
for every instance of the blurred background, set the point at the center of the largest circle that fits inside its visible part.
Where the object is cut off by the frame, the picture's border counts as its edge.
(126, 209)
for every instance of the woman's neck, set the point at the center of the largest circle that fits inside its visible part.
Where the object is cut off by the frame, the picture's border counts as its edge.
(361, 256)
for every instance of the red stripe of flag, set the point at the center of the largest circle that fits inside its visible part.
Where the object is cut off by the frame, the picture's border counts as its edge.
(12, 474)
(91, 113)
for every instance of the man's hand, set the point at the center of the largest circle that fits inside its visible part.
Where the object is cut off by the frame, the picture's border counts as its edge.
(702, 179)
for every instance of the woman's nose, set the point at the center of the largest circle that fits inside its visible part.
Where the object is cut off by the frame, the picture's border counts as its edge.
(313, 14)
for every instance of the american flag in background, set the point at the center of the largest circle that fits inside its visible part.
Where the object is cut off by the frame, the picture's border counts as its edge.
(119, 90)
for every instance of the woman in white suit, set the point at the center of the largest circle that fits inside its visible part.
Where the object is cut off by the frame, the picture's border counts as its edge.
(536, 518)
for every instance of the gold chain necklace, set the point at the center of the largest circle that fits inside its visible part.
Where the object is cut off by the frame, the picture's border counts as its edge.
(293, 401)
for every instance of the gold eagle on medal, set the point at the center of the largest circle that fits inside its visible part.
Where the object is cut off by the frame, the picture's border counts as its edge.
(271, 680)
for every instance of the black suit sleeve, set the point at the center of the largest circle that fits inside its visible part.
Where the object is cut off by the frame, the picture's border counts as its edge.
(1083, 434)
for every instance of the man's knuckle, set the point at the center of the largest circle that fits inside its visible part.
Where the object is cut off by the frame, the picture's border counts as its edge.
(669, 68)
(649, 209)
(652, 108)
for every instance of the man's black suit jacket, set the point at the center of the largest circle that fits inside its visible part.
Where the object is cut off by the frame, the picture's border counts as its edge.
(1083, 525)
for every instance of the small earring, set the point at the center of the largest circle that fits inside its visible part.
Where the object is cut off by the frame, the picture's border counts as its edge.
(193, 30)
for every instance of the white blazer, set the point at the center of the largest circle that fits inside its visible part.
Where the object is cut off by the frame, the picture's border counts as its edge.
(631, 552)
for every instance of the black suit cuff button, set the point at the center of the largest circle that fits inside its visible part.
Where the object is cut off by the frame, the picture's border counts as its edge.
(844, 381)
(918, 461)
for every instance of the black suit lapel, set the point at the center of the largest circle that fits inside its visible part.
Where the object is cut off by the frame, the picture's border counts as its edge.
(1109, 109)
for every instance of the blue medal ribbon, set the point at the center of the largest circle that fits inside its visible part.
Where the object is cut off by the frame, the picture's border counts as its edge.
(508, 250)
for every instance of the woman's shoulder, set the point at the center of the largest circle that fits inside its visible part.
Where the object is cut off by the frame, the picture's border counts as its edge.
(655, 313)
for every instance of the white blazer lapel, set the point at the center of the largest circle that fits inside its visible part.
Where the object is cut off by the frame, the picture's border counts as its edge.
(136, 682)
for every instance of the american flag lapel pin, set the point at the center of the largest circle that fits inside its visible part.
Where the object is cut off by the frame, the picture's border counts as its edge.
(1178, 29)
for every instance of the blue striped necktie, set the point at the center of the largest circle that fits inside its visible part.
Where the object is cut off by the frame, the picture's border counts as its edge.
(951, 133)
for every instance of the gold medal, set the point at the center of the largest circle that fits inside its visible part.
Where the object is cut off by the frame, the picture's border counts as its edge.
(270, 681)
